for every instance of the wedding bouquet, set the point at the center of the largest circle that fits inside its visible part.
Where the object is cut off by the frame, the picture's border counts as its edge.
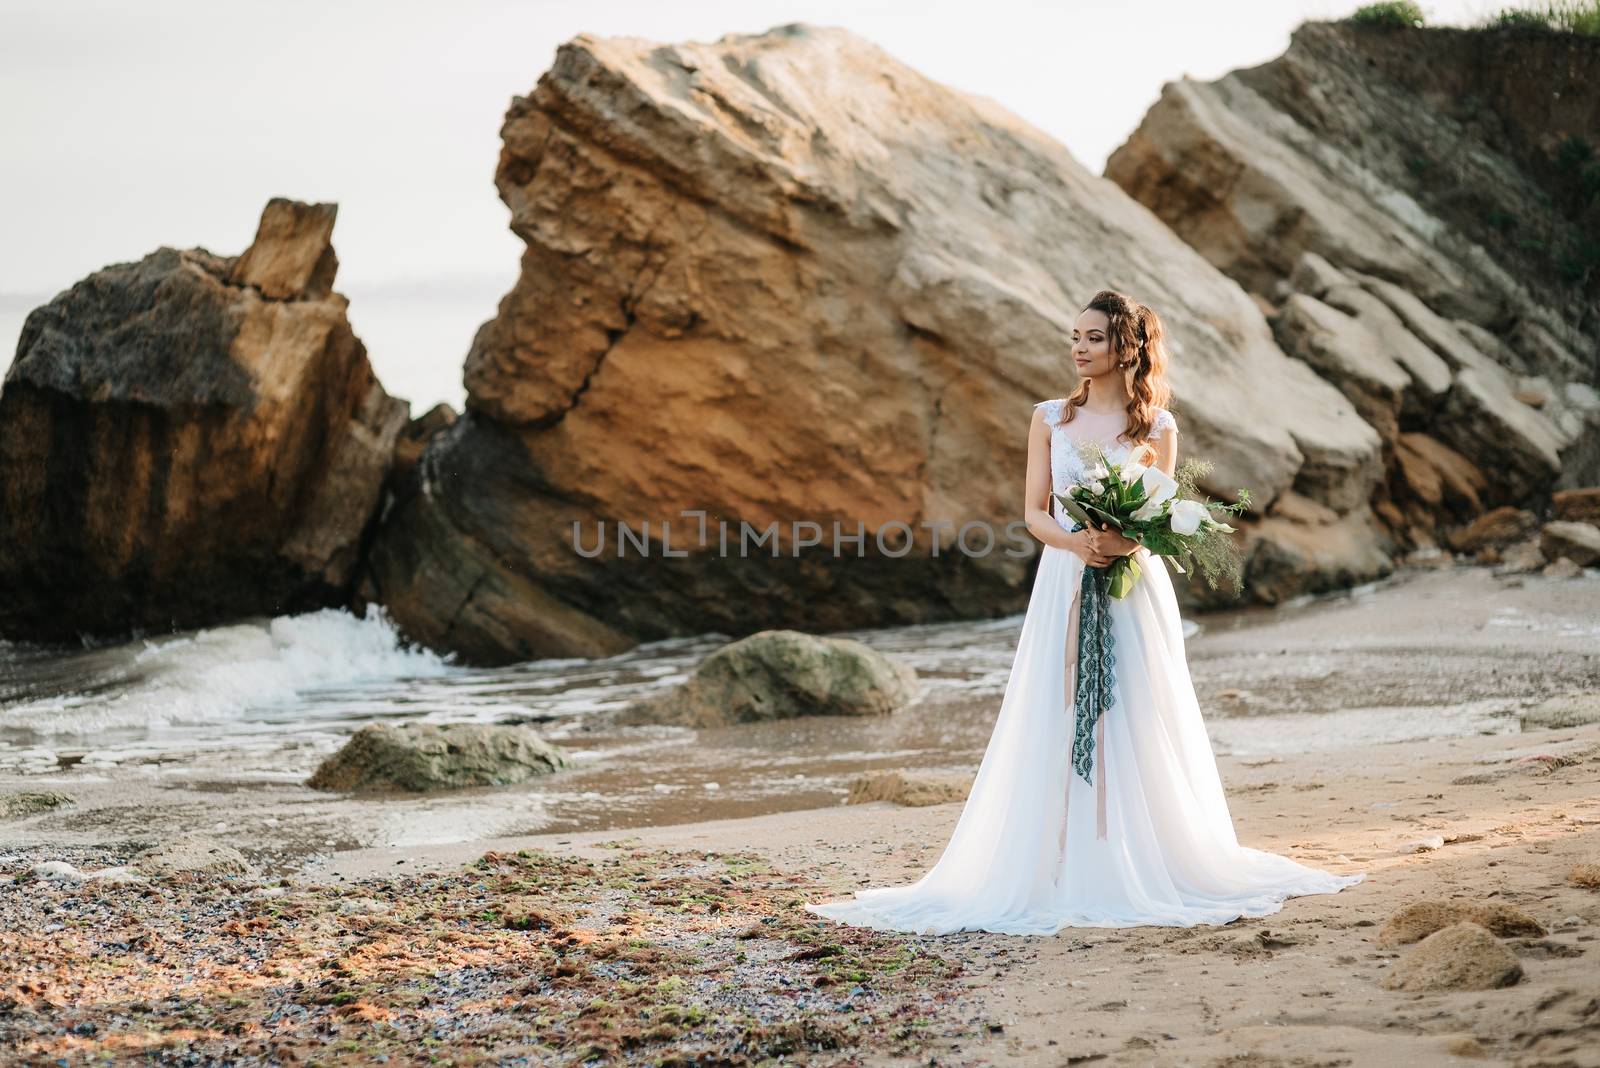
(1146, 505)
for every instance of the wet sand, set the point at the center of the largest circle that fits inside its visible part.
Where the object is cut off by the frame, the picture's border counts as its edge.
(687, 944)
(381, 948)
(1300, 987)
(1428, 653)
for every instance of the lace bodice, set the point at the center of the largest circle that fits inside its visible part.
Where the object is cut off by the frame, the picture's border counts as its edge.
(1066, 466)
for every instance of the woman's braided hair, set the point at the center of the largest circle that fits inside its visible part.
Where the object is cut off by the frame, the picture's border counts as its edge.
(1138, 344)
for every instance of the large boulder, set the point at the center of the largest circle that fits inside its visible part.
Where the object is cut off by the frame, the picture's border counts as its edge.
(419, 757)
(784, 278)
(779, 674)
(188, 439)
(1417, 232)
(1301, 546)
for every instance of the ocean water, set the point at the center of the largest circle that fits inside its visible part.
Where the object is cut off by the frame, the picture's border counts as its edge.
(262, 701)
(248, 710)
(257, 697)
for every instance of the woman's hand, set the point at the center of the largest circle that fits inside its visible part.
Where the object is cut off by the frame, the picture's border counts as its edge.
(1085, 544)
(1113, 543)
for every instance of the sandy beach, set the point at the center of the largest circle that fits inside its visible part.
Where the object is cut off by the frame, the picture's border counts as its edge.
(378, 949)
(684, 942)
(1301, 987)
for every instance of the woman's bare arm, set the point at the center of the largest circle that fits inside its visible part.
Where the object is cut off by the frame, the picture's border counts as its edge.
(1036, 502)
(1167, 450)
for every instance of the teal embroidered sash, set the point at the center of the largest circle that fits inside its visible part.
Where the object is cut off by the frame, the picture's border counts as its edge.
(1096, 663)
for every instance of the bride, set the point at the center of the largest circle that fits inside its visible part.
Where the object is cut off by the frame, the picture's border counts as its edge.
(1138, 833)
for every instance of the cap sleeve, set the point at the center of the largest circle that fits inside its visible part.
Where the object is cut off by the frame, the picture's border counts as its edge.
(1052, 411)
(1164, 421)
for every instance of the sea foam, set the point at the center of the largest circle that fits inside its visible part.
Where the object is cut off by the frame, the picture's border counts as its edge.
(224, 673)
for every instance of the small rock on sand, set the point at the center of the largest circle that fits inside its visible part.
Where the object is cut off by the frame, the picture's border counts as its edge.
(30, 803)
(909, 788)
(1477, 778)
(1466, 1046)
(427, 756)
(1562, 567)
(1578, 542)
(62, 872)
(1421, 919)
(362, 906)
(1237, 703)
(1498, 529)
(1521, 558)
(779, 674)
(192, 853)
(1463, 956)
(1563, 710)
(56, 871)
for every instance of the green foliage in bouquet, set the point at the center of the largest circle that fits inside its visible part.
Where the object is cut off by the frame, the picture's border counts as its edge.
(1212, 552)
(1176, 524)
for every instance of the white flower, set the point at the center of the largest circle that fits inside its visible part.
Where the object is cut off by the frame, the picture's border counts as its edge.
(1099, 471)
(1148, 510)
(1158, 486)
(1131, 472)
(1186, 516)
(1095, 486)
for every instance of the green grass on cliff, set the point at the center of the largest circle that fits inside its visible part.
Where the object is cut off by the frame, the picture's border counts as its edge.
(1558, 16)
(1554, 16)
(1393, 13)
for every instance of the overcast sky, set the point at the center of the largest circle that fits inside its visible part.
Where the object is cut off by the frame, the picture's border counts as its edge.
(128, 126)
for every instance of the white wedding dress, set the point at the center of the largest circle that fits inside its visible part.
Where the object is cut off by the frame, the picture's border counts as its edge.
(1151, 842)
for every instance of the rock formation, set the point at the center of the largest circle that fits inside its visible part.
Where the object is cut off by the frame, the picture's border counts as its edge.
(784, 278)
(419, 757)
(189, 439)
(779, 674)
(1416, 210)
(414, 438)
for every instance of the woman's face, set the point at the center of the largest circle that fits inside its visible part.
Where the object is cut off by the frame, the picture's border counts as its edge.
(1091, 345)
